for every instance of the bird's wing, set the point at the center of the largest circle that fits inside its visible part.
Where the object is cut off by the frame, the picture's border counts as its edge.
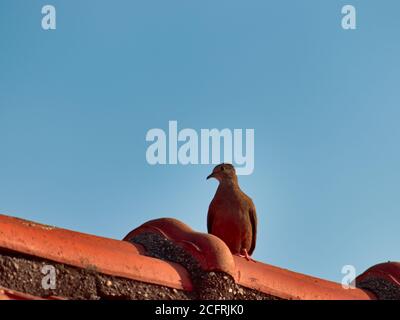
(253, 221)
(210, 216)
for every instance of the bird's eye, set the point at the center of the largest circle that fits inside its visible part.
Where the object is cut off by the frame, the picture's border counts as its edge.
(222, 168)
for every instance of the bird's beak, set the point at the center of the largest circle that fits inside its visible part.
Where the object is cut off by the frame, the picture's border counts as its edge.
(210, 176)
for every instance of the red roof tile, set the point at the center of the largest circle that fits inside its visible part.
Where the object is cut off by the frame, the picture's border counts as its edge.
(112, 257)
(7, 294)
(291, 285)
(389, 271)
(210, 251)
(214, 255)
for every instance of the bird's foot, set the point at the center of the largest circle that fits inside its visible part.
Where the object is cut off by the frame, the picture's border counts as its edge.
(246, 256)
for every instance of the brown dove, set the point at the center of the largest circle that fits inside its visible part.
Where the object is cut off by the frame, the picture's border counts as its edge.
(232, 214)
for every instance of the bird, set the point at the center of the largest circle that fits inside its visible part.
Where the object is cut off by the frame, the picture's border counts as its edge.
(232, 214)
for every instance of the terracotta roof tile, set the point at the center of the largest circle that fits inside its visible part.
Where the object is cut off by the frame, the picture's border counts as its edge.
(7, 294)
(113, 257)
(214, 255)
(292, 285)
(383, 280)
(389, 271)
(209, 250)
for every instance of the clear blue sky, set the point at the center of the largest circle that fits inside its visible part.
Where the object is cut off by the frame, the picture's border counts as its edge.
(76, 104)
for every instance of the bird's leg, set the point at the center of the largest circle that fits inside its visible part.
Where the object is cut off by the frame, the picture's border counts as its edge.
(246, 256)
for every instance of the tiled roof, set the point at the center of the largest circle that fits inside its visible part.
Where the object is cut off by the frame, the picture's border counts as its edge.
(144, 253)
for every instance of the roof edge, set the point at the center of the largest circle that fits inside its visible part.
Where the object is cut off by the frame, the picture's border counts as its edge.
(108, 256)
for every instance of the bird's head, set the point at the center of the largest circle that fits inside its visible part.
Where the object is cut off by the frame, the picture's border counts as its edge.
(224, 172)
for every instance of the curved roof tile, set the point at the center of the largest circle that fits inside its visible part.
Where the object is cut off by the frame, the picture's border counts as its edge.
(109, 256)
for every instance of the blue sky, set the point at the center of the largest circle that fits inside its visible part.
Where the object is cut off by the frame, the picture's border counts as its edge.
(76, 104)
